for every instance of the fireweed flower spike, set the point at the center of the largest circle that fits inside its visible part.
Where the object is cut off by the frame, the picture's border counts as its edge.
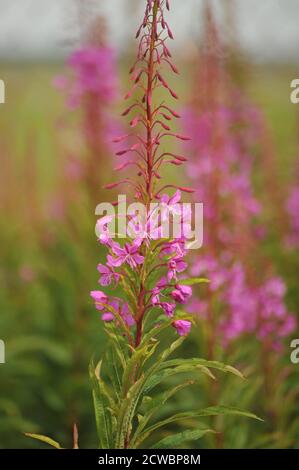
(220, 151)
(143, 277)
(149, 270)
(90, 86)
(154, 121)
(244, 297)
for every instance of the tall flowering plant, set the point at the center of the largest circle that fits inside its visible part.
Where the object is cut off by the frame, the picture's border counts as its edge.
(91, 88)
(250, 297)
(143, 278)
(147, 268)
(245, 299)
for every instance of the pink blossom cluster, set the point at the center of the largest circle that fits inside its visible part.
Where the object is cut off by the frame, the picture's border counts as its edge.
(90, 85)
(146, 267)
(221, 168)
(245, 309)
(221, 172)
(162, 293)
(93, 71)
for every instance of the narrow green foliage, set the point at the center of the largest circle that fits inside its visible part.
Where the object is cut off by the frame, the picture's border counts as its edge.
(103, 410)
(192, 281)
(45, 439)
(171, 442)
(127, 412)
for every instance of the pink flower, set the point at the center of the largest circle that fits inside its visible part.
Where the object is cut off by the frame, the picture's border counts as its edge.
(170, 203)
(183, 327)
(126, 315)
(107, 275)
(102, 229)
(175, 248)
(168, 308)
(181, 294)
(156, 291)
(107, 317)
(175, 266)
(100, 298)
(129, 254)
(121, 309)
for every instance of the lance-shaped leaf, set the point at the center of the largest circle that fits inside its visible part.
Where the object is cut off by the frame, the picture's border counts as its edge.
(45, 439)
(135, 363)
(203, 362)
(154, 405)
(210, 411)
(163, 374)
(193, 281)
(171, 442)
(102, 406)
(127, 412)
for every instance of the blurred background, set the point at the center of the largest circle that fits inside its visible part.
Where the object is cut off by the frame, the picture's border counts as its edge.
(64, 65)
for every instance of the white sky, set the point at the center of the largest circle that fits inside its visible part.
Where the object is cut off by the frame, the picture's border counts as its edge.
(267, 29)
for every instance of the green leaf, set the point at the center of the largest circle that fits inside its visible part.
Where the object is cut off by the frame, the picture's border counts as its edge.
(194, 280)
(135, 363)
(45, 439)
(171, 442)
(120, 320)
(116, 340)
(159, 424)
(155, 405)
(102, 405)
(205, 363)
(176, 344)
(165, 373)
(126, 413)
(210, 411)
(226, 410)
(115, 372)
(152, 334)
(135, 392)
